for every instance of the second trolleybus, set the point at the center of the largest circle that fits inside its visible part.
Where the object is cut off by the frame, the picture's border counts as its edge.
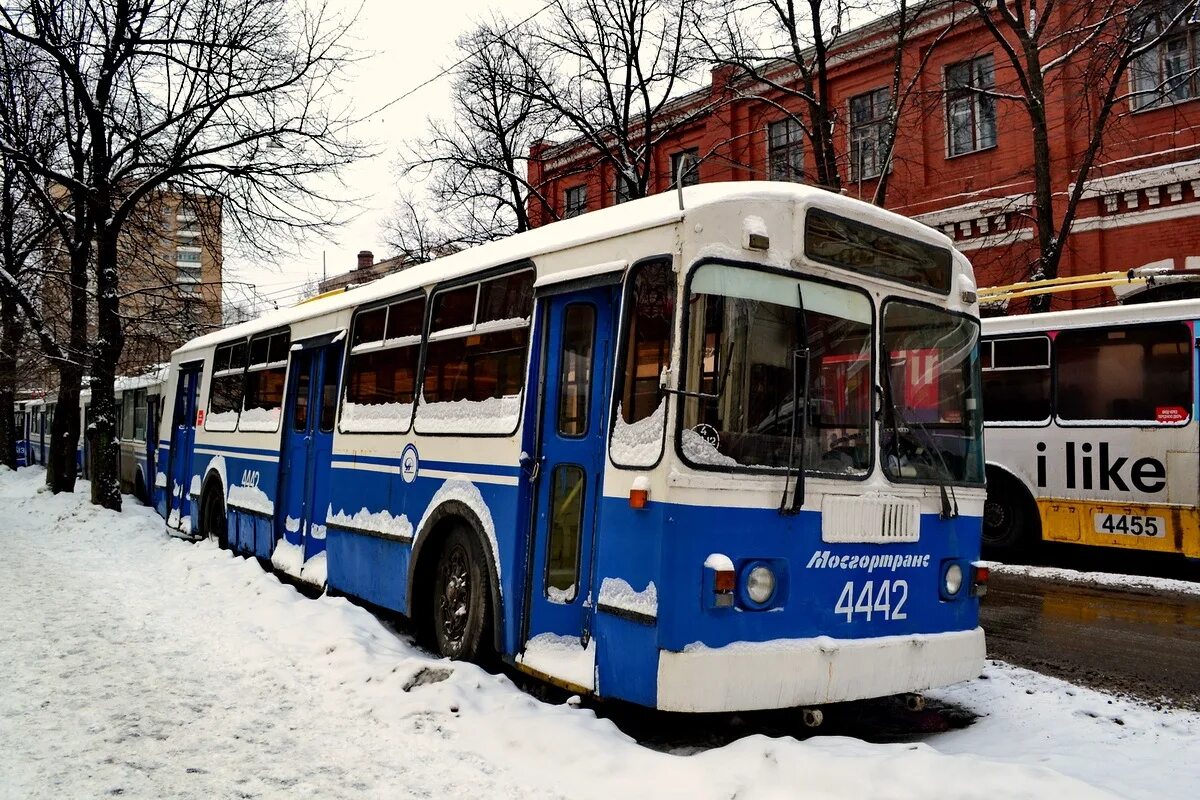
(704, 451)
(1091, 429)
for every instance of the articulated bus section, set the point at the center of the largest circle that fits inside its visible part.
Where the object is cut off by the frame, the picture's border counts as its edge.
(1091, 428)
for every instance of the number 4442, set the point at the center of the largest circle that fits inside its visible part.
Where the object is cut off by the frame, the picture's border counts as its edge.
(884, 600)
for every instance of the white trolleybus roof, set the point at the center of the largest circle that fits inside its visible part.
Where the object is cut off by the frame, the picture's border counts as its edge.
(606, 223)
(1132, 314)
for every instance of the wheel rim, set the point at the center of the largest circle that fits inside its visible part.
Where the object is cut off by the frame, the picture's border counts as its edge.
(996, 520)
(455, 600)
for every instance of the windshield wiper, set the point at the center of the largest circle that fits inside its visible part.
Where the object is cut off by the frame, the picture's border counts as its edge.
(948, 511)
(799, 400)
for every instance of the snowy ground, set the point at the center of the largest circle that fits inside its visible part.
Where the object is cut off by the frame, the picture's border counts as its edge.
(142, 666)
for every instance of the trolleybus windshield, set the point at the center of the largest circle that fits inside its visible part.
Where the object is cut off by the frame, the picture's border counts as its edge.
(743, 328)
(932, 426)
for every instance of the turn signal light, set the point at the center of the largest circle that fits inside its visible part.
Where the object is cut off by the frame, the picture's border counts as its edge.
(979, 580)
(638, 498)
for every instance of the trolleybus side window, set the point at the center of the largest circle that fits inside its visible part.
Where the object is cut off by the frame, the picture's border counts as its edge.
(127, 417)
(225, 394)
(140, 411)
(1138, 373)
(475, 357)
(381, 380)
(853, 245)
(265, 380)
(744, 330)
(641, 404)
(575, 379)
(567, 488)
(1016, 379)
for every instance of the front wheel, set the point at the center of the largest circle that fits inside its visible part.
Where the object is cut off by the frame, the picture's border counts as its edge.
(460, 598)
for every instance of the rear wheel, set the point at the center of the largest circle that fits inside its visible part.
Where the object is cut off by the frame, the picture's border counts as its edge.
(1010, 522)
(460, 606)
(213, 522)
(139, 490)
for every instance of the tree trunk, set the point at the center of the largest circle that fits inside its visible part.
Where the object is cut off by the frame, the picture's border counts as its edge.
(106, 352)
(1043, 191)
(12, 333)
(62, 469)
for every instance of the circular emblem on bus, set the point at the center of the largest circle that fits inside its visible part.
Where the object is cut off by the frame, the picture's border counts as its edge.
(708, 433)
(409, 463)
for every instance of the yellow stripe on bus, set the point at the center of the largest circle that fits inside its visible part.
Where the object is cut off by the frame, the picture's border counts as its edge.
(1089, 522)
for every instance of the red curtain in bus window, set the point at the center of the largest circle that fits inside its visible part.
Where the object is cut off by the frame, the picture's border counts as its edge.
(844, 387)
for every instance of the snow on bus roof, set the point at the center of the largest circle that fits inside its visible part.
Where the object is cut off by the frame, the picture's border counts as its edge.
(629, 217)
(1087, 317)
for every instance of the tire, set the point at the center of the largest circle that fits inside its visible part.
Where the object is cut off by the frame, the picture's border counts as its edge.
(139, 490)
(213, 522)
(1010, 521)
(460, 606)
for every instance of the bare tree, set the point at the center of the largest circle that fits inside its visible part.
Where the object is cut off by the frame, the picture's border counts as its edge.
(611, 69)
(1093, 44)
(228, 99)
(476, 161)
(413, 235)
(783, 51)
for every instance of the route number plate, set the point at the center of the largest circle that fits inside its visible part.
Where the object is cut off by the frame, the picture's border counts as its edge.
(1131, 525)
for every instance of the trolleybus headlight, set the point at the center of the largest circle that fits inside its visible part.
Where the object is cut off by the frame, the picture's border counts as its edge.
(760, 584)
(953, 579)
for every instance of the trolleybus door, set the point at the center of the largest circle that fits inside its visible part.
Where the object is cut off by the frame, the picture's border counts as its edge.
(183, 440)
(308, 446)
(151, 448)
(574, 416)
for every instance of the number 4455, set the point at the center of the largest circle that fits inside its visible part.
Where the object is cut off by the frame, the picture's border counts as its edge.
(885, 600)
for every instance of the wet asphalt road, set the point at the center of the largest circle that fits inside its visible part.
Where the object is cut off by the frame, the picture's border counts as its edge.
(1142, 643)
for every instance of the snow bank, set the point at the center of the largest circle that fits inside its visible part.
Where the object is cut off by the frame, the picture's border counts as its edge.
(278, 681)
(1111, 580)
(376, 417)
(617, 593)
(494, 415)
(638, 444)
(377, 522)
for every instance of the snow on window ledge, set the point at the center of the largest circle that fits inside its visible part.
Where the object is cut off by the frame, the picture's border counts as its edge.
(376, 417)
(260, 419)
(221, 421)
(638, 444)
(495, 415)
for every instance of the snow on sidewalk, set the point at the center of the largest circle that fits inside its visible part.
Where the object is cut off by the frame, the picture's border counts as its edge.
(1107, 580)
(143, 666)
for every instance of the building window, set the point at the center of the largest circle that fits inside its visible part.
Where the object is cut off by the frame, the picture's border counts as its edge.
(970, 110)
(622, 189)
(188, 256)
(685, 167)
(575, 201)
(869, 133)
(785, 151)
(1170, 72)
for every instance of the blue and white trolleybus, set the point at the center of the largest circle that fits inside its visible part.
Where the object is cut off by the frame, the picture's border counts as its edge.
(704, 451)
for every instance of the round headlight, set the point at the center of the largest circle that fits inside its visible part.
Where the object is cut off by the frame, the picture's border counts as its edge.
(953, 579)
(760, 584)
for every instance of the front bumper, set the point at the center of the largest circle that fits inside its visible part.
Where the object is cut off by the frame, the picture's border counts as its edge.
(797, 672)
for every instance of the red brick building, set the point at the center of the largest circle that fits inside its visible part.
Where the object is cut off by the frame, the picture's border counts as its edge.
(963, 162)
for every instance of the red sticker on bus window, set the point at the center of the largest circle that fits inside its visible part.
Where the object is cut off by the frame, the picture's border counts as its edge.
(199, 417)
(1170, 414)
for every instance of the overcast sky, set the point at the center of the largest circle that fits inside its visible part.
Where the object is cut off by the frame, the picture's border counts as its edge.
(412, 40)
